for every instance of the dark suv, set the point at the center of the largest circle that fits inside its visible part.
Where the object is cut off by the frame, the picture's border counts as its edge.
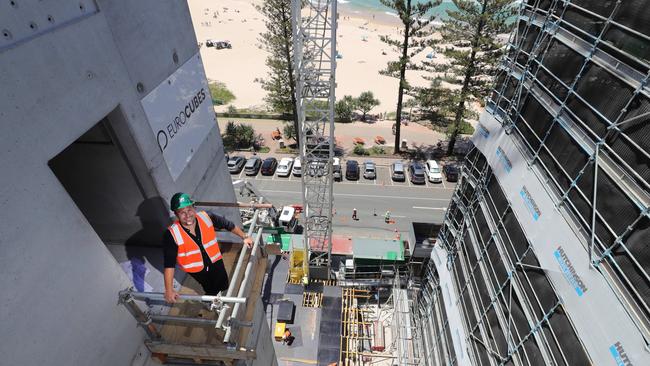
(269, 165)
(352, 170)
(451, 172)
(416, 173)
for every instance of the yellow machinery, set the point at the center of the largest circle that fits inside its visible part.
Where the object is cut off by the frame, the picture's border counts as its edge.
(297, 265)
(280, 328)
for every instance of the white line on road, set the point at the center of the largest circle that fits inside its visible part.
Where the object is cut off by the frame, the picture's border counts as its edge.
(430, 208)
(368, 195)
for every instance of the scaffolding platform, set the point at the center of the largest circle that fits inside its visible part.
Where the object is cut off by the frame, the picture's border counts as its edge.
(203, 343)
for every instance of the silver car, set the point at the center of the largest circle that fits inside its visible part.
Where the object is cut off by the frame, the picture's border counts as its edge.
(397, 171)
(369, 170)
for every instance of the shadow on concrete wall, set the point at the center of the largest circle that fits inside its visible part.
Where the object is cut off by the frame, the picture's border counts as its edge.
(145, 245)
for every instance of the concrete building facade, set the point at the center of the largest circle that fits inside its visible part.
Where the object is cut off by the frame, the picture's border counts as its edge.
(85, 181)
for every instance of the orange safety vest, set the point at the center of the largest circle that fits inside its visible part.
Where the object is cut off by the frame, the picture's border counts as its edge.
(189, 256)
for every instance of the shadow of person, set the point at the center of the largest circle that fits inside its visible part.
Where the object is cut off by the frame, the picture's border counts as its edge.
(145, 245)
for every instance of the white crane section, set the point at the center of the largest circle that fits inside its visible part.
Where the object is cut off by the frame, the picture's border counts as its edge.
(314, 37)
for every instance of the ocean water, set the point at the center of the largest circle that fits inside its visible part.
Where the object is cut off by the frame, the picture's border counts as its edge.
(375, 6)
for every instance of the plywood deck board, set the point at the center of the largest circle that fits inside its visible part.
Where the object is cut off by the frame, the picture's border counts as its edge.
(173, 333)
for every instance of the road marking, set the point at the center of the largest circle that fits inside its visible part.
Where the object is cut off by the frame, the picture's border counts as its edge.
(430, 208)
(367, 195)
(443, 184)
(240, 173)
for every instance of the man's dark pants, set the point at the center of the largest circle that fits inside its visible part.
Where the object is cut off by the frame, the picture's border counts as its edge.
(213, 278)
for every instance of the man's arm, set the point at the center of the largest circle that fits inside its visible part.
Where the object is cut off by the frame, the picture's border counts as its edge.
(221, 222)
(247, 239)
(170, 294)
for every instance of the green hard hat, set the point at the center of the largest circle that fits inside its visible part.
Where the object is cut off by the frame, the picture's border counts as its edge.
(180, 200)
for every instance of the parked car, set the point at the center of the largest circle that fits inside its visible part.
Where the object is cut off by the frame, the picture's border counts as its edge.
(297, 167)
(433, 171)
(217, 44)
(317, 169)
(284, 167)
(269, 165)
(451, 172)
(253, 165)
(336, 170)
(369, 170)
(416, 173)
(397, 171)
(352, 170)
(236, 164)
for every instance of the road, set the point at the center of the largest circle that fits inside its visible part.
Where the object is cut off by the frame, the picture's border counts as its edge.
(406, 202)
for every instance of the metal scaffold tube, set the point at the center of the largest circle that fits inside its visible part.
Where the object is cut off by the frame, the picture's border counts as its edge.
(240, 261)
(243, 288)
(203, 298)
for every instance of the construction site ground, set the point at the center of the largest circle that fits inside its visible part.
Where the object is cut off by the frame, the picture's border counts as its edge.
(316, 329)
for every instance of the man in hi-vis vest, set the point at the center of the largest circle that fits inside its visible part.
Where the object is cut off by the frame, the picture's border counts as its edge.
(191, 243)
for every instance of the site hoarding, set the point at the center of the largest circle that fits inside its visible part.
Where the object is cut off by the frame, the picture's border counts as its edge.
(180, 113)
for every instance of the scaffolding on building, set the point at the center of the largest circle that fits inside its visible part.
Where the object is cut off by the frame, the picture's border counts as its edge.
(314, 35)
(576, 97)
(572, 98)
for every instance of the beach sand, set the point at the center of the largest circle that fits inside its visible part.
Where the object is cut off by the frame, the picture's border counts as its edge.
(357, 41)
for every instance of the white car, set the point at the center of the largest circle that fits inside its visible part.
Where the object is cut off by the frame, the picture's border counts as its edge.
(297, 167)
(284, 168)
(433, 171)
(369, 170)
(336, 169)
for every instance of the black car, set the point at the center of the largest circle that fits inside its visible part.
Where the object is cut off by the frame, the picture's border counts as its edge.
(269, 165)
(416, 173)
(236, 164)
(352, 170)
(451, 172)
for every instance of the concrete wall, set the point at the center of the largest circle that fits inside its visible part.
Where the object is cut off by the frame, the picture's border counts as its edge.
(60, 282)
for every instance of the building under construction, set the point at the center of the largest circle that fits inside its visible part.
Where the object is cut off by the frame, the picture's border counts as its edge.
(543, 256)
(540, 259)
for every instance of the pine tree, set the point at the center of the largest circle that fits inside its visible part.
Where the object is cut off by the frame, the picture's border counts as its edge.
(470, 43)
(278, 41)
(415, 21)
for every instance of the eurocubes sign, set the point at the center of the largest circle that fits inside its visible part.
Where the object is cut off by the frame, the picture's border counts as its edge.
(180, 114)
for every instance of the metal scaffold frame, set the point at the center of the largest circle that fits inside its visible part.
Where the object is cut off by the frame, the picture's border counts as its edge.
(229, 309)
(510, 310)
(608, 133)
(314, 36)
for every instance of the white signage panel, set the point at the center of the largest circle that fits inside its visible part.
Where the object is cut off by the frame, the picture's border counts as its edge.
(181, 114)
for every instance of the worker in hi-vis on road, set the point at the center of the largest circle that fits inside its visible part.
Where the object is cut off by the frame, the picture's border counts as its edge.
(191, 242)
